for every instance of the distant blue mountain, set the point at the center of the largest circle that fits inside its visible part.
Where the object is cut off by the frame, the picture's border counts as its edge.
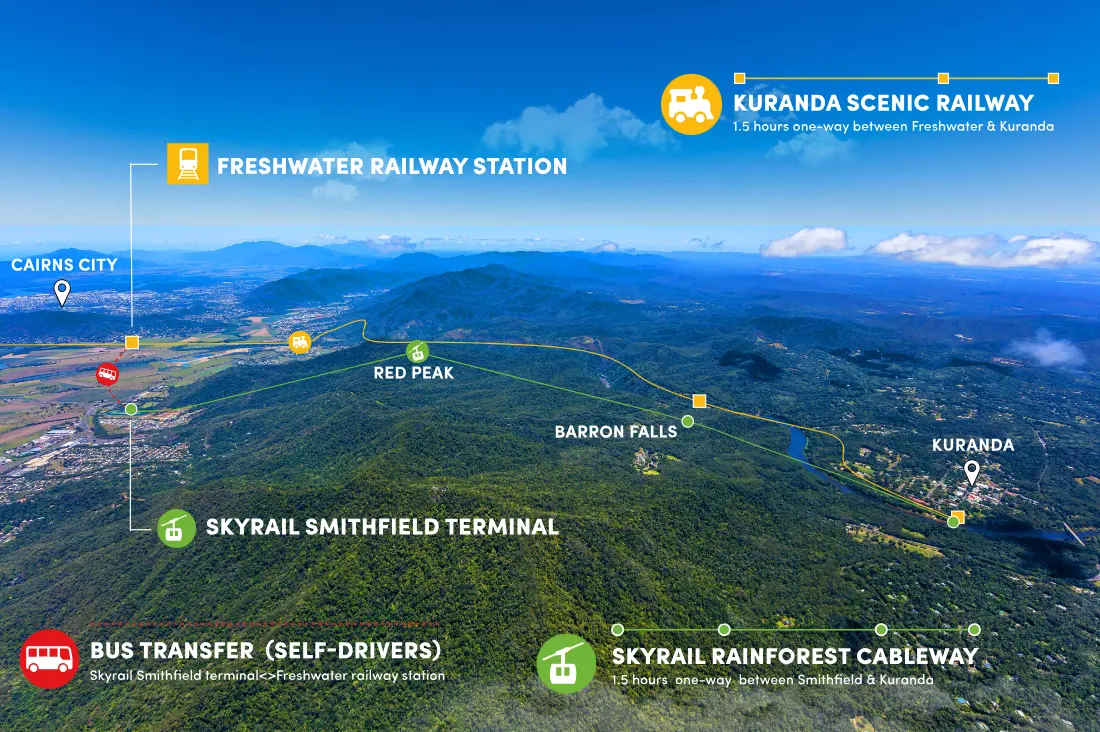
(273, 254)
(27, 283)
(577, 269)
(476, 297)
(74, 254)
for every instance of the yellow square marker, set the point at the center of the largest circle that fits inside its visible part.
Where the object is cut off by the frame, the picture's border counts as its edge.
(1053, 77)
(188, 163)
(943, 78)
(960, 515)
(739, 77)
(698, 401)
(132, 343)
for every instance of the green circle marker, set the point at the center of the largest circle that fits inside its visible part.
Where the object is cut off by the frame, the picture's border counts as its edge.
(417, 351)
(974, 630)
(617, 629)
(131, 409)
(881, 629)
(688, 421)
(724, 629)
(176, 528)
(566, 663)
(952, 522)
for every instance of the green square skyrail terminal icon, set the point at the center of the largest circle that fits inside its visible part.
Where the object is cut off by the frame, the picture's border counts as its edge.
(566, 663)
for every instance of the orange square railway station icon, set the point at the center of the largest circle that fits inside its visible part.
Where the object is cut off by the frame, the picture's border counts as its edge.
(699, 401)
(188, 163)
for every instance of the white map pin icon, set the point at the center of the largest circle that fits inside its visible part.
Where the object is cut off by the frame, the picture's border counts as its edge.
(61, 290)
(972, 469)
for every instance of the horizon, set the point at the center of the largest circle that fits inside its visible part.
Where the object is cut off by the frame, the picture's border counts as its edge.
(869, 261)
(978, 249)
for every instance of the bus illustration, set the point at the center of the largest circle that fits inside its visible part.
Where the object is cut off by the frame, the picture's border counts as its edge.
(189, 163)
(49, 658)
(107, 374)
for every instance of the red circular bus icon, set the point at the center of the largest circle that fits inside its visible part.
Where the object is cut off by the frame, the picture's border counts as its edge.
(107, 374)
(49, 659)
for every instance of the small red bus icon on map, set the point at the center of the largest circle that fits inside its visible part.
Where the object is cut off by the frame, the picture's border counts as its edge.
(107, 374)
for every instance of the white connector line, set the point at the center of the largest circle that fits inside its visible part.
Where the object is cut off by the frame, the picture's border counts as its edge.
(130, 479)
(132, 241)
(130, 487)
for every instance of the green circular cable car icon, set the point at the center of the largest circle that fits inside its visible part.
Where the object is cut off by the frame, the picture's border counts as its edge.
(562, 672)
(417, 351)
(566, 663)
(173, 532)
(176, 528)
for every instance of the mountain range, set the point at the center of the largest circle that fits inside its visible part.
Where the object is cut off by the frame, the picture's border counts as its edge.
(580, 270)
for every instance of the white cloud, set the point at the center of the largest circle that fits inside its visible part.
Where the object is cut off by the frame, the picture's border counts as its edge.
(989, 250)
(706, 243)
(584, 128)
(1052, 250)
(1048, 350)
(336, 191)
(806, 242)
(374, 149)
(604, 246)
(813, 148)
(750, 116)
(390, 244)
(381, 244)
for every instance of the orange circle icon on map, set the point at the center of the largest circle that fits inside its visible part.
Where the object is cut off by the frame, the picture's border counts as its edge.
(300, 342)
(691, 104)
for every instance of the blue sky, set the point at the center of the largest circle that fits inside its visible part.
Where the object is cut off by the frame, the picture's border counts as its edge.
(87, 90)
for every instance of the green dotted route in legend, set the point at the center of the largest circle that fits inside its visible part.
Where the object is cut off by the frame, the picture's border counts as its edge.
(724, 629)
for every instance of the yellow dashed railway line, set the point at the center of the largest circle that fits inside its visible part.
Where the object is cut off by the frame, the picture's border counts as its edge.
(826, 433)
(544, 346)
